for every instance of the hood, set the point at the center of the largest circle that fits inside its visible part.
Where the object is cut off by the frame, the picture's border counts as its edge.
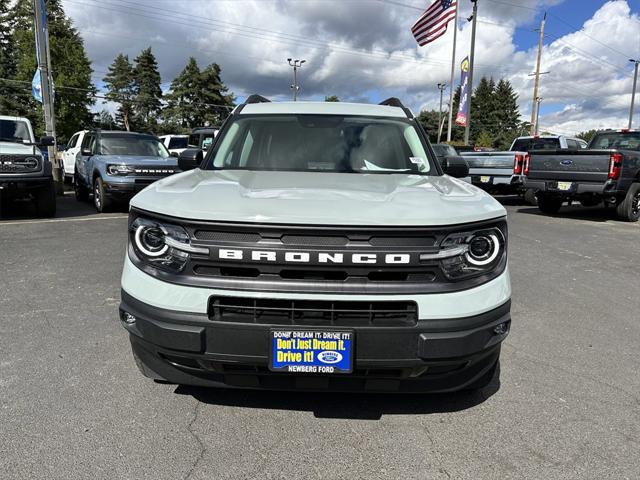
(134, 160)
(318, 198)
(11, 148)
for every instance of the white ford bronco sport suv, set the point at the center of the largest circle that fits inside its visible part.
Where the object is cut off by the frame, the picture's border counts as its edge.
(317, 246)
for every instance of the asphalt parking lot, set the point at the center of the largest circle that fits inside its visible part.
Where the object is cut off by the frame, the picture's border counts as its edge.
(73, 405)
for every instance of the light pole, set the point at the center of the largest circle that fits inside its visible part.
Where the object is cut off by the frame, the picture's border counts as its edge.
(633, 94)
(473, 18)
(296, 64)
(537, 129)
(442, 87)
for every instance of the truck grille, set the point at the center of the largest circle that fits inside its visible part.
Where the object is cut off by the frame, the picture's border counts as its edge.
(337, 260)
(312, 313)
(19, 163)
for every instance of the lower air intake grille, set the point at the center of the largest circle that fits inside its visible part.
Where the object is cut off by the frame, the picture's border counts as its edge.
(312, 312)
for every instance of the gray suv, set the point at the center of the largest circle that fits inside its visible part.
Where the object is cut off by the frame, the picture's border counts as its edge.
(317, 246)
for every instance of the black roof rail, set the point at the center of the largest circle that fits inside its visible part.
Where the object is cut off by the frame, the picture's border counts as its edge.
(395, 102)
(255, 98)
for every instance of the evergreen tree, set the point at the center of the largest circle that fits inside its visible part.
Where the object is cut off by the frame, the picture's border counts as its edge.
(587, 135)
(331, 98)
(121, 90)
(105, 121)
(10, 90)
(148, 94)
(429, 121)
(507, 115)
(484, 139)
(71, 69)
(214, 93)
(196, 96)
(483, 109)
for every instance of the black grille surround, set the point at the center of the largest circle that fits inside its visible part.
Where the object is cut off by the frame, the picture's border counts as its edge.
(13, 163)
(312, 312)
(415, 277)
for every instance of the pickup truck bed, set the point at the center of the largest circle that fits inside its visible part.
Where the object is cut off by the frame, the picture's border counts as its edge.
(496, 171)
(588, 176)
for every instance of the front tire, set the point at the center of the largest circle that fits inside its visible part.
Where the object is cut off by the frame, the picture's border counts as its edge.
(101, 201)
(549, 205)
(629, 209)
(46, 201)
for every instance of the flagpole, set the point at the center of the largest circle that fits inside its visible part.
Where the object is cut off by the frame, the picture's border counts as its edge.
(453, 70)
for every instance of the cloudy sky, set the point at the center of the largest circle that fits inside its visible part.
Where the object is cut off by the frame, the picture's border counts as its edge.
(362, 50)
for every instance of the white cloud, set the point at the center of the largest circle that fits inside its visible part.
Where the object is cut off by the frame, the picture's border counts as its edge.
(361, 49)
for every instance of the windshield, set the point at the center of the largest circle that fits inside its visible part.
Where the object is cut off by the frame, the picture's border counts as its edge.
(619, 140)
(443, 150)
(322, 143)
(178, 142)
(14, 131)
(131, 146)
(526, 144)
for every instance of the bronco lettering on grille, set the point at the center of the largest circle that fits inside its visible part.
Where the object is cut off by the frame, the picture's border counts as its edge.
(273, 256)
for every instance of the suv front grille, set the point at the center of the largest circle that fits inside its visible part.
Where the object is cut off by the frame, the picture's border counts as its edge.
(312, 312)
(19, 163)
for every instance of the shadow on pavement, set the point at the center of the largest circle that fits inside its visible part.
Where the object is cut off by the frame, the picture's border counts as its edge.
(357, 406)
(592, 214)
(66, 207)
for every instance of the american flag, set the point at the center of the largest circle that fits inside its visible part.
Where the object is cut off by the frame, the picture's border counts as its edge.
(433, 22)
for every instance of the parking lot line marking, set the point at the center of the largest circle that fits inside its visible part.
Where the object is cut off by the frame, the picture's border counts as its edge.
(61, 220)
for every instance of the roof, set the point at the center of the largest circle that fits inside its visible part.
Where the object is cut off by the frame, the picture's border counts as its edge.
(323, 108)
(12, 118)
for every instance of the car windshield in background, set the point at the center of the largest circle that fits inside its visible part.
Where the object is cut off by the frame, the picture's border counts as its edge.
(622, 141)
(444, 150)
(131, 145)
(526, 144)
(14, 131)
(178, 142)
(323, 143)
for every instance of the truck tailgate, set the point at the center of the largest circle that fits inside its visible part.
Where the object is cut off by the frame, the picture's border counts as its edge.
(484, 160)
(574, 165)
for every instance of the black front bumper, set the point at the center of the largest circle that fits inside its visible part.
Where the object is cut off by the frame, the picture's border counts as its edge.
(432, 356)
(18, 183)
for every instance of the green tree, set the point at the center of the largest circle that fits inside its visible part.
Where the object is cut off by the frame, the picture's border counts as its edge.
(105, 120)
(506, 116)
(74, 91)
(196, 98)
(483, 109)
(121, 90)
(429, 121)
(10, 90)
(331, 98)
(146, 87)
(484, 139)
(587, 135)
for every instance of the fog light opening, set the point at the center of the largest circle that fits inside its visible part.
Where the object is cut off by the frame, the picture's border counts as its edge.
(502, 328)
(127, 318)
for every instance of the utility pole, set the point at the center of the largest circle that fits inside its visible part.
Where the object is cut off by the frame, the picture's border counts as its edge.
(296, 64)
(633, 94)
(453, 67)
(442, 87)
(537, 128)
(44, 65)
(537, 79)
(474, 17)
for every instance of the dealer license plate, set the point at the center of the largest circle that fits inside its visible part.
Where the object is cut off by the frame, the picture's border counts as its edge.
(311, 351)
(485, 179)
(564, 186)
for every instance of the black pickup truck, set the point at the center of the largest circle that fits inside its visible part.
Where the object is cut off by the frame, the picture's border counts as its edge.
(607, 171)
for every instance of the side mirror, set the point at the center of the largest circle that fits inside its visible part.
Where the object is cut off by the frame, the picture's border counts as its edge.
(190, 158)
(47, 141)
(456, 167)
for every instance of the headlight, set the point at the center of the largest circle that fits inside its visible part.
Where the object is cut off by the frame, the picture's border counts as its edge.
(120, 169)
(467, 254)
(162, 245)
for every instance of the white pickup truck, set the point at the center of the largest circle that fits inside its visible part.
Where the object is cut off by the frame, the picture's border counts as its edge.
(502, 172)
